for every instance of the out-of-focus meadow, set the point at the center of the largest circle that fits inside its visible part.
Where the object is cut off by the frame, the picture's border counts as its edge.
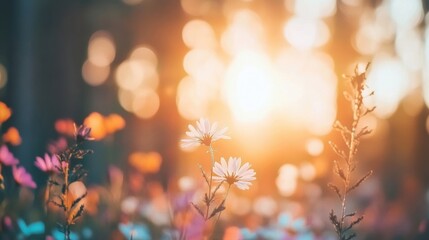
(137, 72)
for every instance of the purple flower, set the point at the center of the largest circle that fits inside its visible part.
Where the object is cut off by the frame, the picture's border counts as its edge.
(48, 164)
(6, 157)
(82, 133)
(22, 177)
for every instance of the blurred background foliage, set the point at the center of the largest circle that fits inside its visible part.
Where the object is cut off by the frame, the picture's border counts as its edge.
(269, 70)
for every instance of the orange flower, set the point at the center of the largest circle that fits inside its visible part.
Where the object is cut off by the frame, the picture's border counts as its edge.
(12, 136)
(145, 162)
(5, 112)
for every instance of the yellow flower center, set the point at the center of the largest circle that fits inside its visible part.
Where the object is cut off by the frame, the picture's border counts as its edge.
(231, 179)
(206, 139)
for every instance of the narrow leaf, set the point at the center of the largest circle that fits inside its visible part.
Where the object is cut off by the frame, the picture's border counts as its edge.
(369, 110)
(204, 174)
(336, 190)
(57, 204)
(207, 200)
(360, 181)
(334, 220)
(364, 131)
(218, 209)
(198, 209)
(77, 200)
(79, 213)
(358, 220)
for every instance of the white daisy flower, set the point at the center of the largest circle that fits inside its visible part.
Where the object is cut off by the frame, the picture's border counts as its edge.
(233, 173)
(205, 133)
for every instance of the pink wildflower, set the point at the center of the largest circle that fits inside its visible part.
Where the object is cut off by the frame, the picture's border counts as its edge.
(6, 157)
(22, 177)
(48, 163)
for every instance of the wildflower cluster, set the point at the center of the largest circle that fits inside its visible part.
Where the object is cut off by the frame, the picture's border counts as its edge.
(11, 137)
(66, 176)
(348, 164)
(231, 172)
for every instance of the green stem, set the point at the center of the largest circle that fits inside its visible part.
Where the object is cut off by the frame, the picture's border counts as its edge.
(218, 216)
(211, 150)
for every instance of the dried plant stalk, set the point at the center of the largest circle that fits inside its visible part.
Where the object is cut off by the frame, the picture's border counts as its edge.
(347, 164)
(72, 175)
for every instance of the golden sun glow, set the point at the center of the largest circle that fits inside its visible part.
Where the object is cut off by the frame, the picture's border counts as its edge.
(249, 86)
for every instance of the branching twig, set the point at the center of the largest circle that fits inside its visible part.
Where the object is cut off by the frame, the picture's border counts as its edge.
(351, 137)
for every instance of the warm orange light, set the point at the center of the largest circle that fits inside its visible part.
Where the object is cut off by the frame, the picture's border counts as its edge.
(409, 46)
(314, 8)
(265, 206)
(232, 233)
(129, 74)
(249, 86)
(5, 112)
(287, 180)
(198, 7)
(65, 126)
(390, 79)
(239, 205)
(113, 123)
(146, 103)
(186, 183)
(93, 199)
(12, 136)
(245, 32)
(144, 53)
(307, 171)
(101, 49)
(198, 34)
(314, 146)
(126, 98)
(306, 92)
(303, 33)
(205, 66)
(191, 100)
(96, 122)
(145, 162)
(93, 74)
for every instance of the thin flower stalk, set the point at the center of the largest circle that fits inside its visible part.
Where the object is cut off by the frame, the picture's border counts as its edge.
(232, 173)
(351, 137)
(211, 179)
(224, 200)
(205, 133)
